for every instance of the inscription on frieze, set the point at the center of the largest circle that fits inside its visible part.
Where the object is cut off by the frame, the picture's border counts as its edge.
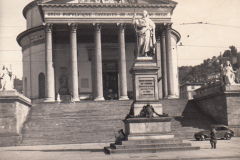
(99, 15)
(146, 88)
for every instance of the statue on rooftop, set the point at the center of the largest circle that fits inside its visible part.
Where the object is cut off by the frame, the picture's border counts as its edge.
(6, 78)
(228, 74)
(146, 40)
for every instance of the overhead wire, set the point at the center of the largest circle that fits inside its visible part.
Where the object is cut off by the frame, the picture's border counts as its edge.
(206, 16)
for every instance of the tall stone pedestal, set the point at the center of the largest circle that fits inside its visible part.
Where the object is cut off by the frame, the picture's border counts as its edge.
(143, 134)
(14, 108)
(145, 84)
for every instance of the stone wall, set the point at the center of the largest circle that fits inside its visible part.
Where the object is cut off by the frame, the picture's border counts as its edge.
(215, 107)
(233, 103)
(222, 105)
(14, 109)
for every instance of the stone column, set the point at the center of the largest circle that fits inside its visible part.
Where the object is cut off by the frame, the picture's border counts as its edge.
(170, 75)
(159, 63)
(98, 63)
(50, 92)
(74, 65)
(93, 73)
(122, 63)
(164, 65)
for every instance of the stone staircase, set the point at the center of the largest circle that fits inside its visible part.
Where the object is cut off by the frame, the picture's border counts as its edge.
(149, 146)
(86, 121)
(89, 121)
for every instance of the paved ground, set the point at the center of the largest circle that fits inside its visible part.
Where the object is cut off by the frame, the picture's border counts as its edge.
(226, 149)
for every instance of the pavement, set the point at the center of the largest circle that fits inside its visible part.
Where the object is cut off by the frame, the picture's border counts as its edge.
(226, 150)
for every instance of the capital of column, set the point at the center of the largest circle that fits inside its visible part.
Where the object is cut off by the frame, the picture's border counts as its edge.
(168, 26)
(48, 27)
(121, 26)
(73, 27)
(97, 26)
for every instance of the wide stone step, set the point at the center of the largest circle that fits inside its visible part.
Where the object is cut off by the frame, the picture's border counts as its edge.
(152, 141)
(149, 150)
(157, 145)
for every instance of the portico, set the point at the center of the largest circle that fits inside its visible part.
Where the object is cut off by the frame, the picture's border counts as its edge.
(79, 40)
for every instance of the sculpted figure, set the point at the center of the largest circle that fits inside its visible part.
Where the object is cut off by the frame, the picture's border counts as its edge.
(6, 77)
(228, 74)
(63, 81)
(119, 136)
(148, 111)
(146, 40)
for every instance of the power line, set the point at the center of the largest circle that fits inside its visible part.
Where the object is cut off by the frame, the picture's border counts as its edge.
(207, 16)
(210, 24)
(204, 46)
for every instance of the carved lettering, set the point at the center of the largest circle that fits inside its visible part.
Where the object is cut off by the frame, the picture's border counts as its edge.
(93, 15)
(146, 88)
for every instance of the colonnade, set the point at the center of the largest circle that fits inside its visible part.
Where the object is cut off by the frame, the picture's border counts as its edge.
(166, 63)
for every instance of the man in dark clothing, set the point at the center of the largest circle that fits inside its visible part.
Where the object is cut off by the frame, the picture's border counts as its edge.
(213, 139)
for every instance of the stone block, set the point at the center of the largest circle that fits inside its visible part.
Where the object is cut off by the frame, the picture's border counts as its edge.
(14, 109)
(147, 125)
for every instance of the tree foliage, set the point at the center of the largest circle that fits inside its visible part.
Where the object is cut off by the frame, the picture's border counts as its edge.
(200, 73)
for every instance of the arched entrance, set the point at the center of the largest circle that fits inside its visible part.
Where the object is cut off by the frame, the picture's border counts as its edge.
(41, 85)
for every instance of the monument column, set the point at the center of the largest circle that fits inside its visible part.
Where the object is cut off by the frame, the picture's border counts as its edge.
(50, 91)
(74, 65)
(164, 65)
(122, 62)
(98, 63)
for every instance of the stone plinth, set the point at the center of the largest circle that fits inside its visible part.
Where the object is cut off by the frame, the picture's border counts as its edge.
(156, 125)
(232, 88)
(14, 108)
(145, 80)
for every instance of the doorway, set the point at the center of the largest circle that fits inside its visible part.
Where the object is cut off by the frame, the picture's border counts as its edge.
(41, 85)
(110, 85)
(110, 80)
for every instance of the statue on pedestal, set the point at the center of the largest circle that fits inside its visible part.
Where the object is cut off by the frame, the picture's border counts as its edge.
(228, 74)
(146, 40)
(63, 81)
(6, 78)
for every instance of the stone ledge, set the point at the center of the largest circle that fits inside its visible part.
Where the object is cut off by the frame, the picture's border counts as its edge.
(13, 94)
(145, 120)
(232, 88)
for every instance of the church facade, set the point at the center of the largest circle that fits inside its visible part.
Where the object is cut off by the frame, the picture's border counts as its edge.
(86, 48)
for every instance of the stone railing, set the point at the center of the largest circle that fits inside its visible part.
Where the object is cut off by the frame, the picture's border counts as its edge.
(208, 89)
(107, 1)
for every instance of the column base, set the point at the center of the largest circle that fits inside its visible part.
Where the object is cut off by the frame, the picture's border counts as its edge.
(76, 99)
(172, 97)
(49, 100)
(99, 99)
(123, 98)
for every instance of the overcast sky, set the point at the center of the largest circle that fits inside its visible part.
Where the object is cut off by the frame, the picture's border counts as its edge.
(218, 29)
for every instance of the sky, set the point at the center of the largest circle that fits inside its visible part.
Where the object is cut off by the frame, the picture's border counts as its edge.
(207, 27)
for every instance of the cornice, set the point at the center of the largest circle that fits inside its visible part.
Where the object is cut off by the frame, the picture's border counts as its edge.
(112, 5)
(27, 32)
(29, 6)
(176, 34)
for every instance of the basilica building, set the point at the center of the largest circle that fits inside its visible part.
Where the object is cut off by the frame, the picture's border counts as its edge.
(84, 49)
